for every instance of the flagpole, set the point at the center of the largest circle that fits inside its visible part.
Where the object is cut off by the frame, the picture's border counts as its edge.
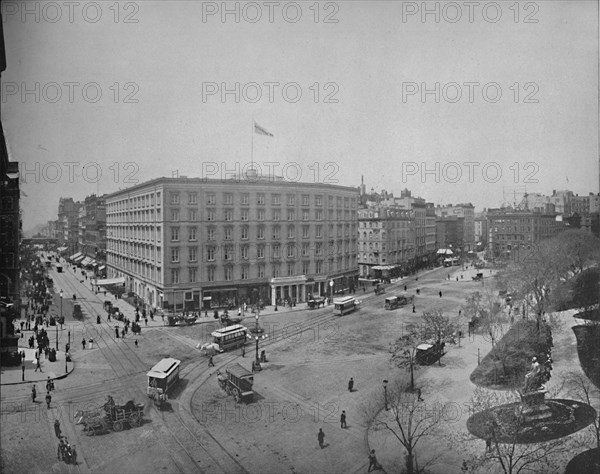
(252, 147)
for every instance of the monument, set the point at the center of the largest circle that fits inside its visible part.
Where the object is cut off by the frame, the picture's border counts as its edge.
(532, 406)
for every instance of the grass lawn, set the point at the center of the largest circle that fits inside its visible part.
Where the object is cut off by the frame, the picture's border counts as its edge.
(505, 366)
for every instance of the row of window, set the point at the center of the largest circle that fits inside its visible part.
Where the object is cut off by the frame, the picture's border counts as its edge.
(138, 202)
(260, 199)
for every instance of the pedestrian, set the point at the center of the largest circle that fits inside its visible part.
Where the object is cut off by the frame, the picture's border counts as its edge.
(419, 395)
(243, 351)
(136, 343)
(38, 365)
(48, 399)
(459, 312)
(321, 438)
(91, 343)
(210, 362)
(33, 394)
(405, 287)
(48, 385)
(57, 430)
(123, 333)
(83, 343)
(440, 294)
(117, 332)
(343, 420)
(414, 309)
(67, 347)
(373, 461)
(109, 317)
(146, 321)
(351, 384)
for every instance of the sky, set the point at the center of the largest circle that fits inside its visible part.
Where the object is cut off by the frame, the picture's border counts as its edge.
(454, 101)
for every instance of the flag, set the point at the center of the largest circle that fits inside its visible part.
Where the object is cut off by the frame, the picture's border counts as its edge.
(261, 131)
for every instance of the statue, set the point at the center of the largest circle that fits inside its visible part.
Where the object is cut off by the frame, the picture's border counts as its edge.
(533, 380)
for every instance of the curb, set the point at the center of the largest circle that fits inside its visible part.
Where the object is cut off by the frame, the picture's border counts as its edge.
(58, 377)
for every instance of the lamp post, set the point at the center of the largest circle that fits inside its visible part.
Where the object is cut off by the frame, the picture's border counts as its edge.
(61, 300)
(331, 289)
(385, 382)
(257, 338)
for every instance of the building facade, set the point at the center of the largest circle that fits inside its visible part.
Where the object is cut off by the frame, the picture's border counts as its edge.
(511, 232)
(386, 237)
(467, 213)
(92, 228)
(67, 230)
(197, 243)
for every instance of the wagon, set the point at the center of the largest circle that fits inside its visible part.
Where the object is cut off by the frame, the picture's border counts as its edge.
(110, 416)
(237, 381)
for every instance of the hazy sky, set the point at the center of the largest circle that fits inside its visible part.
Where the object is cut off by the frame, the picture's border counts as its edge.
(516, 106)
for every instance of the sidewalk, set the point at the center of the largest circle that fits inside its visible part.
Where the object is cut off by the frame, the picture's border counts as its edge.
(54, 370)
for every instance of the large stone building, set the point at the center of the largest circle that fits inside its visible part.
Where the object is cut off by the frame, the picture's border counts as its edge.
(92, 228)
(386, 238)
(467, 213)
(513, 231)
(197, 243)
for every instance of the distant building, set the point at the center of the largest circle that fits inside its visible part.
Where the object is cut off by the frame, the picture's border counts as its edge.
(385, 239)
(195, 243)
(512, 231)
(481, 232)
(67, 230)
(467, 213)
(92, 228)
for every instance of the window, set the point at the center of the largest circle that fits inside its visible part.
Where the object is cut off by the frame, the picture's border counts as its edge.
(210, 234)
(291, 269)
(192, 253)
(244, 215)
(174, 255)
(276, 214)
(193, 198)
(319, 215)
(174, 198)
(260, 251)
(228, 233)
(193, 214)
(291, 200)
(305, 268)
(276, 270)
(319, 249)
(305, 199)
(193, 274)
(175, 275)
(305, 250)
(228, 215)
(305, 215)
(291, 215)
(210, 215)
(260, 199)
(261, 271)
(175, 215)
(192, 234)
(275, 199)
(227, 198)
(210, 273)
(210, 254)
(319, 231)
(276, 251)
(211, 199)
(228, 273)
(318, 200)
(244, 233)
(276, 233)
(245, 198)
(174, 234)
(291, 232)
(330, 201)
(228, 253)
(305, 231)
(261, 215)
(244, 252)
(291, 251)
(260, 233)
(245, 272)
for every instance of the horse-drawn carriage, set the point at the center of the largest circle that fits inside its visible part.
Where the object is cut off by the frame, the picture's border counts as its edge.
(379, 290)
(111, 416)
(237, 381)
(159, 396)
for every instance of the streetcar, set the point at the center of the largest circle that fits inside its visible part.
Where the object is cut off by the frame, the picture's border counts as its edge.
(161, 378)
(344, 305)
(230, 337)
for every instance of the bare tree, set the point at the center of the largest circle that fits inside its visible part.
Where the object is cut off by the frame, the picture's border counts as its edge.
(408, 420)
(583, 389)
(437, 327)
(404, 352)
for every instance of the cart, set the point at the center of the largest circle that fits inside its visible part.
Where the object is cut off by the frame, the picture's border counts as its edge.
(237, 381)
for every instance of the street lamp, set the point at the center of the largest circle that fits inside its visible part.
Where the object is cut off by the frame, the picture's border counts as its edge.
(257, 338)
(331, 286)
(385, 382)
(61, 299)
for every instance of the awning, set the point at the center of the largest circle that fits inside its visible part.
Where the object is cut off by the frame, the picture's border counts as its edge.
(445, 252)
(79, 259)
(75, 255)
(101, 268)
(94, 263)
(86, 261)
(111, 281)
(207, 298)
(61, 249)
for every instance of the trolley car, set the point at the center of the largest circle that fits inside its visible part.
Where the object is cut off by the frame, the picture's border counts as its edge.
(161, 378)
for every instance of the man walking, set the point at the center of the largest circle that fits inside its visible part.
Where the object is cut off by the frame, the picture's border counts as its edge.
(33, 394)
(321, 438)
(373, 461)
(57, 428)
(243, 351)
(210, 362)
(343, 420)
(48, 399)
(83, 343)
(351, 384)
